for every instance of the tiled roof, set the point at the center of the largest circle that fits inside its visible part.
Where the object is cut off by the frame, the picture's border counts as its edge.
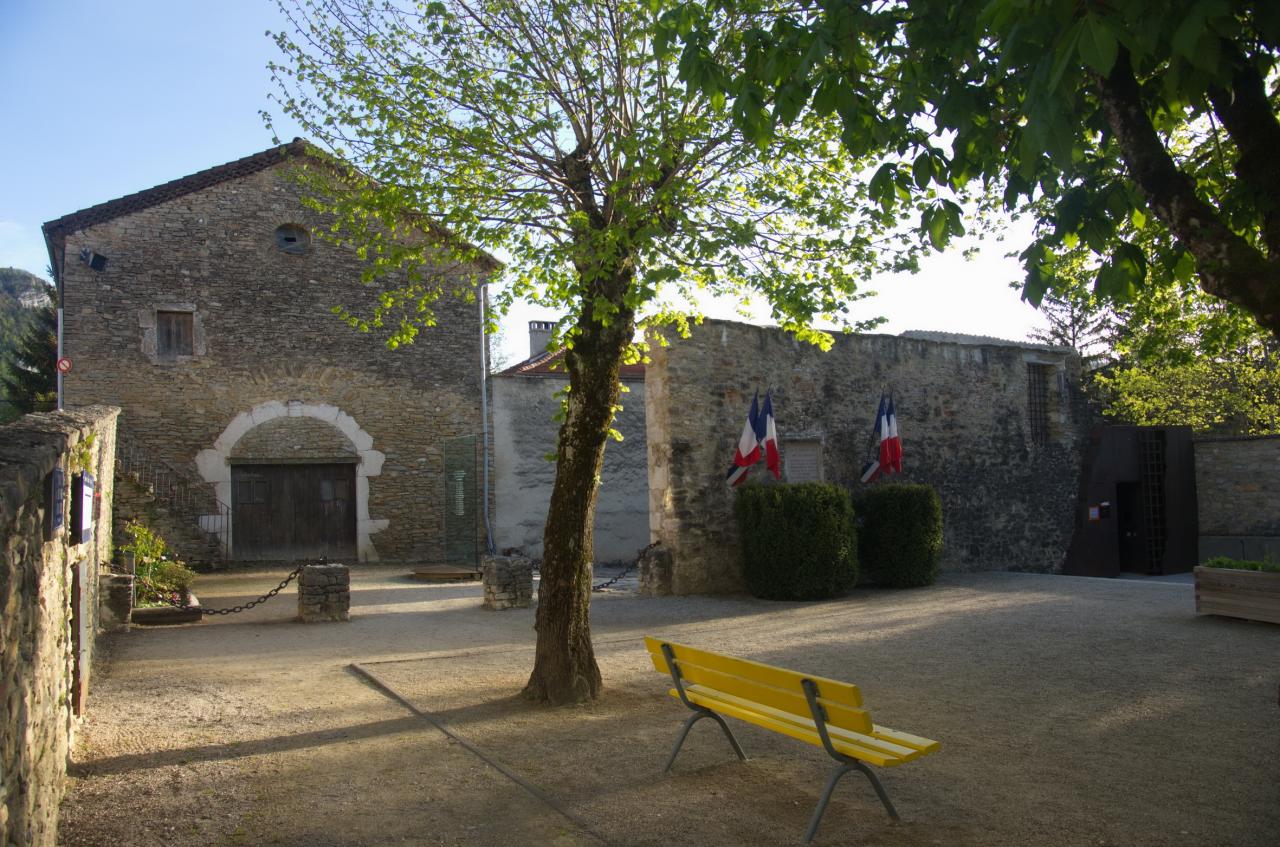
(552, 364)
(176, 188)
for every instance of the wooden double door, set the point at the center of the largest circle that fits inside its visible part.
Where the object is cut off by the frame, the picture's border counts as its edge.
(288, 512)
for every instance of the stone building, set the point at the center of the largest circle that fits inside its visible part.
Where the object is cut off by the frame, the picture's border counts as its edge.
(998, 427)
(526, 399)
(202, 308)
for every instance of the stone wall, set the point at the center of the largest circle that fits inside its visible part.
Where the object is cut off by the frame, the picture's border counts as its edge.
(962, 409)
(1238, 496)
(525, 431)
(48, 608)
(275, 376)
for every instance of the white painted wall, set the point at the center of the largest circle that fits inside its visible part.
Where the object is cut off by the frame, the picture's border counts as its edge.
(525, 431)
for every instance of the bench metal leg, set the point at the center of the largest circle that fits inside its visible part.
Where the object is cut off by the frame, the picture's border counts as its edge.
(684, 732)
(840, 771)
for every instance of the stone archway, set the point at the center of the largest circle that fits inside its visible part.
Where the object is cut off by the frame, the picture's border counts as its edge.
(214, 463)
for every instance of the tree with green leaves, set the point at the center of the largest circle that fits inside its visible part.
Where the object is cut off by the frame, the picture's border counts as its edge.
(1104, 120)
(31, 382)
(1184, 358)
(1076, 316)
(555, 136)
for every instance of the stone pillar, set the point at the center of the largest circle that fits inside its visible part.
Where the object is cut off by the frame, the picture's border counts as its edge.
(508, 582)
(115, 600)
(655, 571)
(324, 593)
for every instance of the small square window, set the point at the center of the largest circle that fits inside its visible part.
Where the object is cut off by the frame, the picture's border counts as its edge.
(175, 334)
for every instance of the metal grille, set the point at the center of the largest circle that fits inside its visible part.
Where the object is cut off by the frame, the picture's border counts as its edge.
(461, 507)
(1038, 403)
(1151, 456)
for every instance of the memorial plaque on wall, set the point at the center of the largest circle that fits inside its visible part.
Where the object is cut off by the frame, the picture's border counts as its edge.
(82, 486)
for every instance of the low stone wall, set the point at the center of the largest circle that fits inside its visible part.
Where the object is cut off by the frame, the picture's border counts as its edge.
(324, 593)
(1238, 496)
(508, 582)
(48, 606)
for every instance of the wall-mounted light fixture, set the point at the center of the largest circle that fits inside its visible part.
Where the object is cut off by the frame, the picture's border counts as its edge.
(95, 261)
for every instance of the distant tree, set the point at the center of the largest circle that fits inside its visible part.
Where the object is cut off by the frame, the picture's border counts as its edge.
(1077, 317)
(31, 383)
(1184, 358)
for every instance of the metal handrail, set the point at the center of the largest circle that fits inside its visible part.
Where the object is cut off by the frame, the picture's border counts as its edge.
(192, 502)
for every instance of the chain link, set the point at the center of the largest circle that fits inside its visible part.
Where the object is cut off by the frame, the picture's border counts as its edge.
(246, 606)
(628, 569)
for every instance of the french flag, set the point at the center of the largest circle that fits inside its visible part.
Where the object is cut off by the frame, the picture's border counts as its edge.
(748, 450)
(772, 460)
(886, 431)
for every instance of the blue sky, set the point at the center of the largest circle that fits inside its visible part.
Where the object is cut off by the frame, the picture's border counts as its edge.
(102, 99)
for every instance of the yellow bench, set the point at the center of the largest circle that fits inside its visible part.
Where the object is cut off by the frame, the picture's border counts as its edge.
(822, 712)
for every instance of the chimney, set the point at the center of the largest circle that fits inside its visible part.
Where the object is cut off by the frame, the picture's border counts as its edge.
(539, 336)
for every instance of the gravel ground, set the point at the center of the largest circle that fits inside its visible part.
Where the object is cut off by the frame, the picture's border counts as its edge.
(1071, 712)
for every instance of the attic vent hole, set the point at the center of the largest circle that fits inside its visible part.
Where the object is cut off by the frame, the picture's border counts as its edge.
(292, 238)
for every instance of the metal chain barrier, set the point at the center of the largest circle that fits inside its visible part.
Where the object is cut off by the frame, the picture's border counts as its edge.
(628, 569)
(246, 606)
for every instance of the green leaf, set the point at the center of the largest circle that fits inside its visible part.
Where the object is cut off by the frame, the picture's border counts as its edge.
(1098, 46)
(922, 170)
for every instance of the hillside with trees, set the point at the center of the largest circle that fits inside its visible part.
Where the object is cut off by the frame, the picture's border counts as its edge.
(23, 297)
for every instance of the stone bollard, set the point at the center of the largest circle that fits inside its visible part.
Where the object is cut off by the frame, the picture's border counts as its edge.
(655, 571)
(115, 600)
(508, 582)
(324, 593)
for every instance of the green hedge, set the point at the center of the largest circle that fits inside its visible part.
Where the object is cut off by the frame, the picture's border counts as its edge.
(899, 535)
(798, 541)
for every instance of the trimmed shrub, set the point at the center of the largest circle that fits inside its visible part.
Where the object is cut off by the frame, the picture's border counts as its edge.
(900, 535)
(798, 541)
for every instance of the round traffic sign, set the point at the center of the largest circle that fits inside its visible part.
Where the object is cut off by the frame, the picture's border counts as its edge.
(64, 365)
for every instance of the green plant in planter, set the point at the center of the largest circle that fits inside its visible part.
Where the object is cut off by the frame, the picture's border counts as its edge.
(798, 541)
(1267, 566)
(158, 578)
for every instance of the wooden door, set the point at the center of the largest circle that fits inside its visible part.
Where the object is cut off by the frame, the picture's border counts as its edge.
(288, 512)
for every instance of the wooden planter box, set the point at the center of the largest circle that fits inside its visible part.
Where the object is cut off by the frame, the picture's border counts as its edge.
(1252, 595)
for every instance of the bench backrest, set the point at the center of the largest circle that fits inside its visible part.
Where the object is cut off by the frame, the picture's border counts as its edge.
(777, 688)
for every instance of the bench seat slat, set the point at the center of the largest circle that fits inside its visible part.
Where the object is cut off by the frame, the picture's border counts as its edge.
(793, 701)
(791, 729)
(906, 739)
(865, 744)
(832, 689)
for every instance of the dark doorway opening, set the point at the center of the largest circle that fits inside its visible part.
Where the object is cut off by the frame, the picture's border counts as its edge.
(287, 512)
(1133, 548)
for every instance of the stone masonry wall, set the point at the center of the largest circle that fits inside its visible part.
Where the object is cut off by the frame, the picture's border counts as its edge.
(525, 432)
(962, 412)
(1238, 495)
(271, 355)
(48, 609)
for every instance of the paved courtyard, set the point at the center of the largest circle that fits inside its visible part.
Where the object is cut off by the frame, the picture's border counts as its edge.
(1071, 712)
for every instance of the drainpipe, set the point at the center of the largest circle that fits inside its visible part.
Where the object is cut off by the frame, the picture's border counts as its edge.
(483, 300)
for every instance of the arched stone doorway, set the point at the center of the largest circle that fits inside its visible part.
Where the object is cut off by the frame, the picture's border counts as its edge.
(294, 481)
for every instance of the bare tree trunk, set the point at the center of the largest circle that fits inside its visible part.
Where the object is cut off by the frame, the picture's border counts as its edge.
(565, 669)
